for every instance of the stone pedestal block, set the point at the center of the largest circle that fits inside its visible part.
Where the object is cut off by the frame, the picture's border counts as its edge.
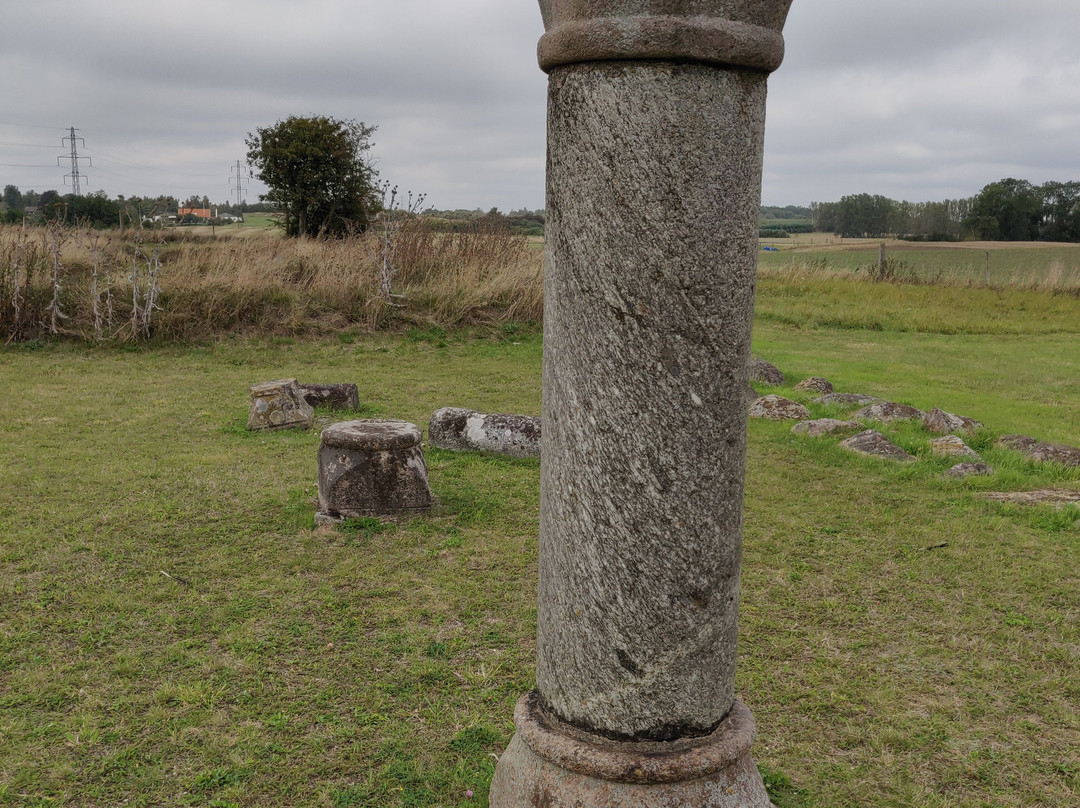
(371, 467)
(279, 405)
(502, 433)
(332, 396)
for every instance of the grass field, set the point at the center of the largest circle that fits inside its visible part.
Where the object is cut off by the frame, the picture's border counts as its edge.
(174, 631)
(968, 262)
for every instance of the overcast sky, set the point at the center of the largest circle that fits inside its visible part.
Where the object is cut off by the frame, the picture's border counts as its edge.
(918, 100)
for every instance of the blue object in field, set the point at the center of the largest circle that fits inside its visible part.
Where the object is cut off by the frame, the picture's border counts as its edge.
(767, 248)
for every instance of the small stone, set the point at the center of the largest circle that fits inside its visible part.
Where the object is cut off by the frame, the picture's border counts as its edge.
(331, 396)
(279, 405)
(1055, 453)
(873, 443)
(778, 408)
(1020, 443)
(1057, 497)
(501, 433)
(816, 384)
(847, 399)
(765, 373)
(941, 423)
(371, 467)
(962, 470)
(952, 446)
(888, 411)
(824, 426)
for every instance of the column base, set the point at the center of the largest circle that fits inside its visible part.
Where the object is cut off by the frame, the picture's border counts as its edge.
(550, 764)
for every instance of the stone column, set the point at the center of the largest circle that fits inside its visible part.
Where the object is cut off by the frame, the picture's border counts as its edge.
(656, 113)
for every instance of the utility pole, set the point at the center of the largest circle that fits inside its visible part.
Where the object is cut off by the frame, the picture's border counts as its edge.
(74, 157)
(242, 172)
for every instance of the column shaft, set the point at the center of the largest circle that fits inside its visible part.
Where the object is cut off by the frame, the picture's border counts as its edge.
(654, 173)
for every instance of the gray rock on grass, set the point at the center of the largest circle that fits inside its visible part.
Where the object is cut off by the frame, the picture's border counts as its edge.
(778, 408)
(886, 411)
(941, 423)
(1041, 452)
(765, 373)
(815, 384)
(952, 446)
(847, 399)
(1055, 497)
(873, 443)
(825, 426)
(962, 470)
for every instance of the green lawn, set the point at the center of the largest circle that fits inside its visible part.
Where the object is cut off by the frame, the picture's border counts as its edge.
(173, 630)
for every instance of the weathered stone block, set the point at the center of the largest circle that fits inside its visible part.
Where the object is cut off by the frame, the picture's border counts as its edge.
(372, 467)
(279, 405)
(331, 396)
(502, 433)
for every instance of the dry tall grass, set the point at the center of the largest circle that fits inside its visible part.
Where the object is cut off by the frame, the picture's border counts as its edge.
(167, 285)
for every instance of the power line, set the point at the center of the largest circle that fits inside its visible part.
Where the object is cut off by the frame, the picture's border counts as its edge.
(75, 175)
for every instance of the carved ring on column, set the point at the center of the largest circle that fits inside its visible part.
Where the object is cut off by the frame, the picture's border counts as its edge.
(735, 33)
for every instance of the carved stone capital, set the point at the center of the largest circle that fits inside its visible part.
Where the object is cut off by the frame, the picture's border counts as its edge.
(736, 33)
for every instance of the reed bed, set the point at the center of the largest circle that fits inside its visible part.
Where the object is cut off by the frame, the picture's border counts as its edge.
(167, 285)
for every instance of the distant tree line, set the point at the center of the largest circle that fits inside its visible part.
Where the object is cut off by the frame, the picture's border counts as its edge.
(1007, 210)
(99, 210)
(517, 222)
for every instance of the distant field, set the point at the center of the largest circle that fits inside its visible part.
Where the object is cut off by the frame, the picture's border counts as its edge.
(259, 221)
(1013, 263)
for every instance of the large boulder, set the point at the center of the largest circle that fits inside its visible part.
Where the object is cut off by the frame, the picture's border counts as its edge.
(778, 408)
(873, 443)
(889, 411)
(943, 423)
(502, 433)
(765, 373)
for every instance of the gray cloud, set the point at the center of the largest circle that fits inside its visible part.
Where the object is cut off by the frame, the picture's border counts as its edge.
(920, 100)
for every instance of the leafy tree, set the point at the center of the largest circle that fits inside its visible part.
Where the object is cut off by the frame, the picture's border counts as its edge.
(13, 199)
(1007, 210)
(1061, 211)
(318, 172)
